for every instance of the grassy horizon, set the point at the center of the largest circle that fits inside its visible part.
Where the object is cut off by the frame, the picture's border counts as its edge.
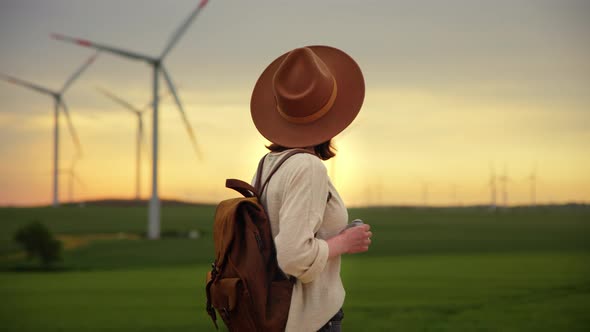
(427, 270)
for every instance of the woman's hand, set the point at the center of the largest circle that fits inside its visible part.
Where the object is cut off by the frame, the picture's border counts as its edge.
(351, 241)
(358, 238)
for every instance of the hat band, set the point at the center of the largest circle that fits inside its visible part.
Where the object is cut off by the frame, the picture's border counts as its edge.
(315, 115)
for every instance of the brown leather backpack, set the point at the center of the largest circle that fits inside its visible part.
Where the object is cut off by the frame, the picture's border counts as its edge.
(246, 285)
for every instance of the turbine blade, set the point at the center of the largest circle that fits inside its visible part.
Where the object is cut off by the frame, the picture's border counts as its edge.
(72, 129)
(187, 125)
(119, 100)
(26, 84)
(78, 179)
(182, 28)
(79, 72)
(140, 128)
(101, 47)
(74, 162)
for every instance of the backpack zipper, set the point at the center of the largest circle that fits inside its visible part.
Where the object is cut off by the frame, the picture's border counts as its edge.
(259, 241)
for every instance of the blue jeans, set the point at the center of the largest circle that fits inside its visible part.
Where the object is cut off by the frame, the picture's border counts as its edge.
(334, 324)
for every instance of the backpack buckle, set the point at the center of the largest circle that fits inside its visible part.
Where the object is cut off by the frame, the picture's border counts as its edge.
(214, 270)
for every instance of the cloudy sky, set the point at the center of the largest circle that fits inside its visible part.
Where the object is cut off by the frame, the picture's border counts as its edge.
(455, 89)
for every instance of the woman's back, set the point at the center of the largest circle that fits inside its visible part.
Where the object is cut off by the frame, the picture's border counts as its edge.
(305, 209)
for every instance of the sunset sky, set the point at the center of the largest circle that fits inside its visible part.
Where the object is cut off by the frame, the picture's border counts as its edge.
(453, 90)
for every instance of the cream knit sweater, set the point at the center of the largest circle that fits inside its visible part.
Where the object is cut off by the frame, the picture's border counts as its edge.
(301, 217)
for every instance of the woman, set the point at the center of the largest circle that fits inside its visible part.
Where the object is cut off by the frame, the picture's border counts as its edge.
(302, 100)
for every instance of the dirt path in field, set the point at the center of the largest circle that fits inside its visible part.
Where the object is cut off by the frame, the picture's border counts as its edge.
(74, 241)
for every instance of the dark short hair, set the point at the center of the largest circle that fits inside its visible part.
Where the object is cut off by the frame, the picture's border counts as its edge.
(324, 150)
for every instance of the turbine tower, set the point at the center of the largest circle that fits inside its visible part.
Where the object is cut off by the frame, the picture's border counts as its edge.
(157, 64)
(533, 183)
(59, 102)
(493, 187)
(504, 182)
(139, 141)
(72, 177)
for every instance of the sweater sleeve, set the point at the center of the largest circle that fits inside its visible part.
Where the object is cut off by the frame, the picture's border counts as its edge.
(299, 252)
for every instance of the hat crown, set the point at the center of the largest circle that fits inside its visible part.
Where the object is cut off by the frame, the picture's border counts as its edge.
(303, 86)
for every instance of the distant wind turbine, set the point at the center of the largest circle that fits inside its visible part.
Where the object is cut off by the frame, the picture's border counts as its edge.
(504, 179)
(72, 177)
(533, 183)
(58, 98)
(493, 187)
(157, 64)
(140, 136)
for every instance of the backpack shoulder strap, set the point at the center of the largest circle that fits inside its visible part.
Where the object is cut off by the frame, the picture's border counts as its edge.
(245, 188)
(240, 186)
(258, 187)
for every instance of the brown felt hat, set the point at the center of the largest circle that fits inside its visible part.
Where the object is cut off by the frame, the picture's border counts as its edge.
(307, 96)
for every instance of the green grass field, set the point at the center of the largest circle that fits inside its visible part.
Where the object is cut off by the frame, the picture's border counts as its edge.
(428, 270)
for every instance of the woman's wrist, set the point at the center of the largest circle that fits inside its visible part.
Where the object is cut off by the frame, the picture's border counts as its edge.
(336, 246)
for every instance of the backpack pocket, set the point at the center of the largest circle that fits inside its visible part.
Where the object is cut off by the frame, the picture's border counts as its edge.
(232, 301)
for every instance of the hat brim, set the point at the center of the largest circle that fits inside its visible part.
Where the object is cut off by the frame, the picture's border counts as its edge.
(349, 99)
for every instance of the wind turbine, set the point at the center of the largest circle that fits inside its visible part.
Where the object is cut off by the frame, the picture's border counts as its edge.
(493, 188)
(140, 137)
(157, 64)
(72, 177)
(504, 181)
(533, 183)
(58, 101)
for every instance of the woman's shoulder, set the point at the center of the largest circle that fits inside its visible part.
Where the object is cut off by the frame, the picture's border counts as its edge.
(305, 163)
(299, 172)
